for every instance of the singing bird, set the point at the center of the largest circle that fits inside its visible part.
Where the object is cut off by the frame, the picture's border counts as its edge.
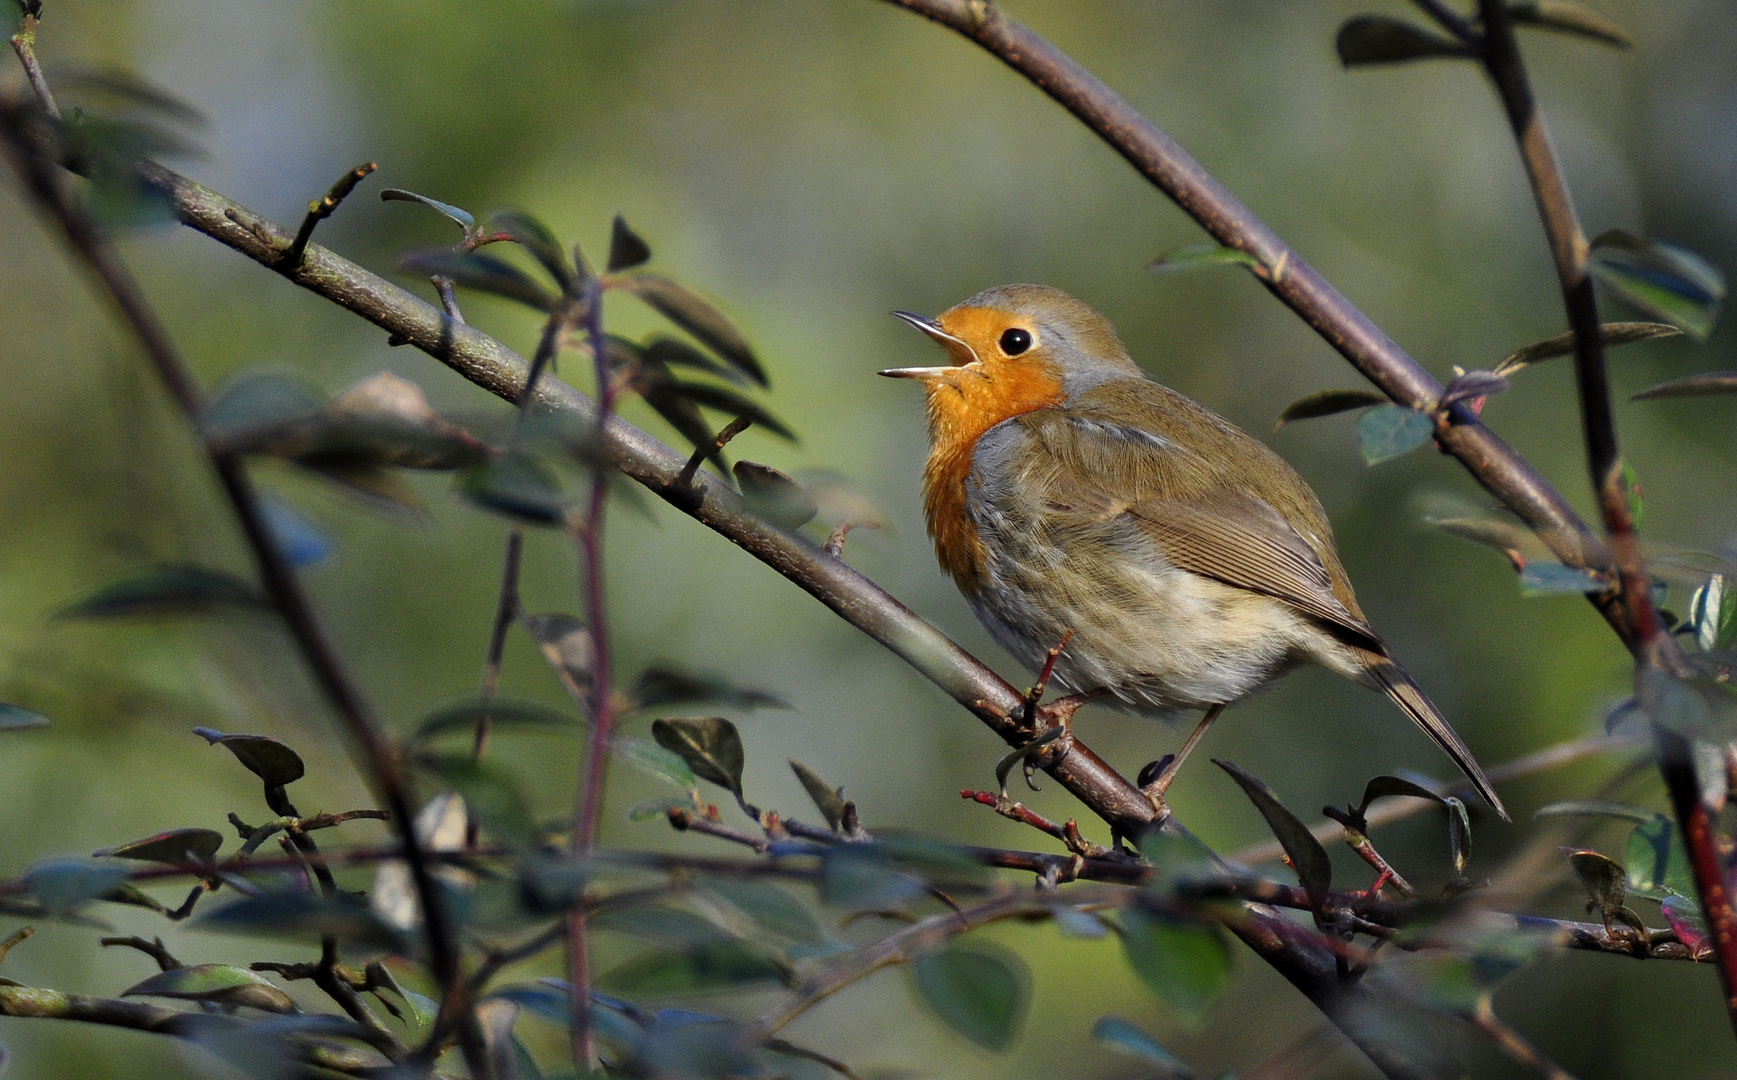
(1183, 562)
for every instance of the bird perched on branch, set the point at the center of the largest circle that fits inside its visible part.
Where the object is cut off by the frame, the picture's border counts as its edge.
(1073, 499)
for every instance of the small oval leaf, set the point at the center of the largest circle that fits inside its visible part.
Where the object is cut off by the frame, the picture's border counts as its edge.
(177, 847)
(1555, 579)
(519, 486)
(1119, 1034)
(626, 249)
(461, 218)
(1327, 403)
(683, 307)
(709, 744)
(775, 496)
(169, 590)
(263, 755)
(1391, 430)
(1703, 385)
(1199, 256)
(530, 233)
(983, 995)
(219, 983)
(17, 718)
(1663, 280)
(1308, 857)
(1377, 39)
(827, 799)
(484, 273)
(1187, 964)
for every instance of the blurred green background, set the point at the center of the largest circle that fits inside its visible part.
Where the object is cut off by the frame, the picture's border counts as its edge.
(811, 165)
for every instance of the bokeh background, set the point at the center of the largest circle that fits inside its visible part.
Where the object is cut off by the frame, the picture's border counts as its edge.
(811, 165)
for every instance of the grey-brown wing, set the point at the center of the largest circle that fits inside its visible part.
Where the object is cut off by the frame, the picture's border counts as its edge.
(1244, 542)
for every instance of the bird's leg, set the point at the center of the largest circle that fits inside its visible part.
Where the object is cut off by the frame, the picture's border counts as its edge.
(1155, 790)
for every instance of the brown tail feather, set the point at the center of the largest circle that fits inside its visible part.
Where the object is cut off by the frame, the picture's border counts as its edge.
(1391, 678)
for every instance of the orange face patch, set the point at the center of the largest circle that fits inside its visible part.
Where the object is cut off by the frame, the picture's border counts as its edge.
(964, 402)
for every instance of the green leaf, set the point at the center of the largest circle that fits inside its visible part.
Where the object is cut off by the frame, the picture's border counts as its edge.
(489, 792)
(177, 847)
(723, 399)
(858, 877)
(1308, 857)
(626, 249)
(1120, 1035)
(1658, 865)
(1459, 823)
(1187, 964)
(668, 352)
(661, 763)
(459, 217)
(484, 273)
(774, 496)
(258, 401)
(1612, 333)
(220, 983)
(1570, 18)
(65, 885)
(1665, 281)
(1377, 39)
(1327, 403)
(1388, 431)
(169, 590)
(983, 995)
(1713, 613)
(1458, 980)
(709, 744)
(1687, 922)
(1555, 579)
(535, 237)
(382, 421)
(1386, 786)
(466, 715)
(1596, 808)
(663, 925)
(724, 966)
(518, 485)
(262, 755)
(1712, 382)
(662, 684)
(773, 909)
(304, 917)
(827, 799)
(1199, 256)
(699, 318)
(17, 718)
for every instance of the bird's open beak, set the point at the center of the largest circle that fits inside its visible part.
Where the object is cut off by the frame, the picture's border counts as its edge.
(956, 348)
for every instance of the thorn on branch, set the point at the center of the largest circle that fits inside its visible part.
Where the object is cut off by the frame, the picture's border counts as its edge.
(321, 209)
(684, 480)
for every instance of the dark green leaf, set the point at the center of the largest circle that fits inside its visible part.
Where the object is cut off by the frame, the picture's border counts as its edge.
(1555, 579)
(1187, 964)
(699, 318)
(709, 744)
(178, 847)
(1596, 808)
(626, 249)
(1713, 613)
(262, 755)
(484, 273)
(257, 401)
(1658, 864)
(65, 885)
(489, 792)
(518, 485)
(685, 417)
(534, 236)
(1023, 756)
(1326, 403)
(1388, 431)
(381, 421)
(1460, 979)
(459, 217)
(772, 908)
(218, 983)
(15, 718)
(303, 916)
(169, 590)
(1616, 333)
(827, 799)
(668, 352)
(665, 685)
(663, 925)
(721, 398)
(1377, 39)
(664, 764)
(981, 994)
(732, 964)
(1385, 786)
(1663, 280)
(1570, 19)
(1713, 382)
(1602, 878)
(299, 540)
(1198, 257)
(1473, 384)
(860, 878)
(774, 496)
(465, 717)
(1119, 1034)
(1308, 857)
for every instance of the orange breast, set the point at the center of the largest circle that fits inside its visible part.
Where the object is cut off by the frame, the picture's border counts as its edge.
(960, 411)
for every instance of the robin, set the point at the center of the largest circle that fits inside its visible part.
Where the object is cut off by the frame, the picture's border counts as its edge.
(1182, 562)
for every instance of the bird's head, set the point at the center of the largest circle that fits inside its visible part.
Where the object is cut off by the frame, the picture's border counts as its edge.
(1014, 348)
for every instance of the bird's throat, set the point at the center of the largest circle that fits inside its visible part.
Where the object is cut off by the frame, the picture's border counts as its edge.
(961, 409)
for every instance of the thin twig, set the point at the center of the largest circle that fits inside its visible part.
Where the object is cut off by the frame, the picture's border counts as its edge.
(24, 44)
(153, 948)
(1514, 1044)
(21, 934)
(506, 611)
(324, 207)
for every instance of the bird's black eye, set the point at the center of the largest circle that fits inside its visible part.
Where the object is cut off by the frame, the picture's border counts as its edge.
(1015, 341)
